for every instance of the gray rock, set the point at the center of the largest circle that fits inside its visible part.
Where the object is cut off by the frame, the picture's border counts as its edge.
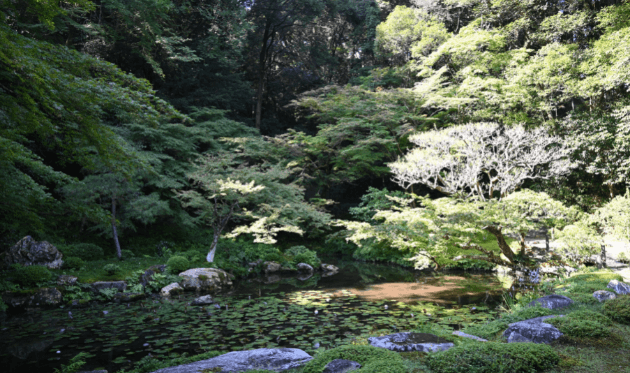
(275, 359)
(213, 279)
(552, 301)
(462, 334)
(30, 252)
(256, 263)
(533, 330)
(93, 371)
(304, 267)
(329, 269)
(66, 280)
(619, 287)
(401, 342)
(202, 301)
(271, 267)
(171, 289)
(603, 295)
(119, 285)
(40, 298)
(341, 366)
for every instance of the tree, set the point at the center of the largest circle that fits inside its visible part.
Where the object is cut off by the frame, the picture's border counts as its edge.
(239, 187)
(482, 161)
(449, 229)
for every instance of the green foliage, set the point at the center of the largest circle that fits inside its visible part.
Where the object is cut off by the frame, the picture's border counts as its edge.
(384, 366)
(74, 365)
(77, 292)
(107, 294)
(490, 357)
(447, 229)
(111, 269)
(373, 201)
(309, 257)
(31, 276)
(127, 254)
(410, 33)
(492, 329)
(582, 324)
(614, 217)
(361, 354)
(161, 280)
(177, 264)
(73, 262)
(85, 251)
(618, 309)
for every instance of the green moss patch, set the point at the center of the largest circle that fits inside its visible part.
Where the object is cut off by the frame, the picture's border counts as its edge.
(492, 357)
(618, 309)
(363, 355)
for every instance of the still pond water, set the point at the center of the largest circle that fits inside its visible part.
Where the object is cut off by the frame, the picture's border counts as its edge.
(361, 298)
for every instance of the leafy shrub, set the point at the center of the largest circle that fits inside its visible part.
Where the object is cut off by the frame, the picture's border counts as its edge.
(159, 281)
(127, 254)
(375, 200)
(618, 309)
(491, 357)
(576, 326)
(73, 262)
(30, 276)
(192, 255)
(301, 254)
(361, 354)
(111, 269)
(177, 264)
(75, 364)
(85, 251)
(492, 329)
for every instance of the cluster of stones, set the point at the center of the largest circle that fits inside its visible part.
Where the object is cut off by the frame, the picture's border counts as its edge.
(303, 272)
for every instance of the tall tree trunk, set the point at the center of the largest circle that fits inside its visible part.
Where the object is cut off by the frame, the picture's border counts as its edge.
(213, 248)
(503, 246)
(259, 98)
(114, 231)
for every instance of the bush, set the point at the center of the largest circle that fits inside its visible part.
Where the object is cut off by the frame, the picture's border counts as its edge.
(361, 354)
(491, 357)
(575, 325)
(85, 251)
(111, 269)
(384, 366)
(192, 255)
(127, 254)
(618, 309)
(301, 254)
(72, 262)
(32, 275)
(177, 264)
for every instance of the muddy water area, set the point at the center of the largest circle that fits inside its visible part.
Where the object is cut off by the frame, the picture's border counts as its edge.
(274, 311)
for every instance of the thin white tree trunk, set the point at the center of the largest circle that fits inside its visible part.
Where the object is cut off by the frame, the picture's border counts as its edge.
(114, 231)
(213, 249)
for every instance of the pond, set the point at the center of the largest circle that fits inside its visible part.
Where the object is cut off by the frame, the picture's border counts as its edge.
(255, 313)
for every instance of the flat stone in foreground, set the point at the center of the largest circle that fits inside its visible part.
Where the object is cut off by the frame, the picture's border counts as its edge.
(401, 342)
(533, 330)
(276, 359)
(462, 334)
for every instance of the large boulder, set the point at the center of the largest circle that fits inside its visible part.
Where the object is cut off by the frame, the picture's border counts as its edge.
(275, 359)
(341, 366)
(619, 287)
(552, 301)
(30, 252)
(205, 279)
(603, 295)
(401, 342)
(41, 297)
(533, 330)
